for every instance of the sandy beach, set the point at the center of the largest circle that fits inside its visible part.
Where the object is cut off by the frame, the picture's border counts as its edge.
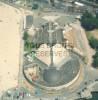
(9, 46)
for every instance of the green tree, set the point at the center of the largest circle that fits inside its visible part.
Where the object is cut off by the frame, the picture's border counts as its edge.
(96, 55)
(95, 62)
(25, 37)
(27, 43)
(96, 14)
(93, 43)
(35, 6)
(88, 21)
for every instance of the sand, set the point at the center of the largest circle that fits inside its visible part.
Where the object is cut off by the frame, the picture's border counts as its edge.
(9, 46)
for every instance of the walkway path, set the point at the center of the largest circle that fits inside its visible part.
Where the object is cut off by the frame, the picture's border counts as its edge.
(86, 48)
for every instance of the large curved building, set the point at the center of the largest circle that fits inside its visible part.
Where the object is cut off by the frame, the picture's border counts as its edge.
(55, 75)
(55, 59)
(55, 63)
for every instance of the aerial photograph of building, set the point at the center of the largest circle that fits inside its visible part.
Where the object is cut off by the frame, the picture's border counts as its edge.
(48, 49)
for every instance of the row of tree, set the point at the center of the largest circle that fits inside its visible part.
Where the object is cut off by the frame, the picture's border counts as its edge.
(94, 44)
(95, 62)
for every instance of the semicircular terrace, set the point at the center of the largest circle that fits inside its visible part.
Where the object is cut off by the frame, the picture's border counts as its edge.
(52, 78)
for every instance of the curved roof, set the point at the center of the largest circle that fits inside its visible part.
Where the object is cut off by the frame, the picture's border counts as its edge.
(61, 74)
(67, 72)
(52, 76)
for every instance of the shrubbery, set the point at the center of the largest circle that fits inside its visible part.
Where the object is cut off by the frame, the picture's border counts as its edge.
(35, 6)
(94, 44)
(88, 21)
(95, 62)
(29, 45)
